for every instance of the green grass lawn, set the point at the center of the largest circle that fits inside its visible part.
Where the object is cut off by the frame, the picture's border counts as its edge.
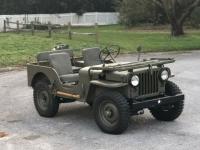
(18, 49)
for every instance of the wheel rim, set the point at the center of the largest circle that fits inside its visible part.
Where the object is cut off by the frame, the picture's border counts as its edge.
(43, 99)
(108, 114)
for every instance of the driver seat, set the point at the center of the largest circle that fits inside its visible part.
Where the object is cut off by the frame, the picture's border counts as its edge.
(91, 56)
(61, 62)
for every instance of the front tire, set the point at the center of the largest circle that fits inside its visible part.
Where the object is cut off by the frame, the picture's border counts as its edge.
(169, 112)
(45, 103)
(111, 112)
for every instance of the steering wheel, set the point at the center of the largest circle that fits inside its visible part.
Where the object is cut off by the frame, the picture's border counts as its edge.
(110, 53)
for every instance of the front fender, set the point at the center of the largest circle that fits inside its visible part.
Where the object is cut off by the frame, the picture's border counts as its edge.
(107, 84)
(97, 86)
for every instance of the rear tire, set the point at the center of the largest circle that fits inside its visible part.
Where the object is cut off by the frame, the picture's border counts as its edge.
(45, 103)
(111, 112)
(169, 112)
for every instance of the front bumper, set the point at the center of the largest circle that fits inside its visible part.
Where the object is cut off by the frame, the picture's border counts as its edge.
(156, 102)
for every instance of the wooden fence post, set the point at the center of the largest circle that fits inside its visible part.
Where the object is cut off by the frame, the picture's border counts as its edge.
(18, 27)
(69, 31)
(96, 33)
(4, 26)
(7, 21)
(32, 28)
(35, 20)
(49, 29)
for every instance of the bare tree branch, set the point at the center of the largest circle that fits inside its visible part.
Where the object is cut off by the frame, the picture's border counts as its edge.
(159, 3)
(189, 10)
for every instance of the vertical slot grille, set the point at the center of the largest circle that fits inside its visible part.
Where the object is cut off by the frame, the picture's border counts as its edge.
(148, 82)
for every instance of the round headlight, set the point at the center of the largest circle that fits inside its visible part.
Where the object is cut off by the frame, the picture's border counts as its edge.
(164, 75)
(135, 80)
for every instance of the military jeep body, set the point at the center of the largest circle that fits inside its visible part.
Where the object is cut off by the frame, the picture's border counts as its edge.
(114, 90)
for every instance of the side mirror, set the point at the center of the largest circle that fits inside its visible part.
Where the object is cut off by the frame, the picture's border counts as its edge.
(139, 50)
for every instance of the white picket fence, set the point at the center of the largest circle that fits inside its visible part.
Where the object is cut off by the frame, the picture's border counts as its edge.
(63, 19)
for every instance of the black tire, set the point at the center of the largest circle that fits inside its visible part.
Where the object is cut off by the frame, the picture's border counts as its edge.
(111, 112)
(45, 103)
(169, 112)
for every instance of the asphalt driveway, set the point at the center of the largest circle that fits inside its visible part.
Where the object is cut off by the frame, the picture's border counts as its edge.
(74, 128)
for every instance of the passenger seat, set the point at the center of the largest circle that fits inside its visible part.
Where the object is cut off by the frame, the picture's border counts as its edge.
(61, 62)
(91, 56)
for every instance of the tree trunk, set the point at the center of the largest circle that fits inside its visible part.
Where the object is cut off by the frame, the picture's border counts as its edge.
(177, 29)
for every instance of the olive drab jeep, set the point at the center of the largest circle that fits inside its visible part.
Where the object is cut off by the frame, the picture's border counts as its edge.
(114, 90)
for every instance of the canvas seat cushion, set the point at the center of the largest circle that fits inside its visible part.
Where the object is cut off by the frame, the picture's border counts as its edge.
(91, 56)
(69, 78)
(62, 64)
